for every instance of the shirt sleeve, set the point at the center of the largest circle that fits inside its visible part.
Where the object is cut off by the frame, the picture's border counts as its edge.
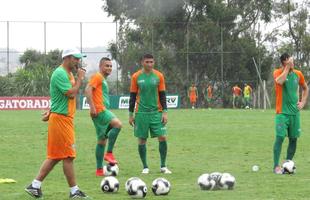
(133, 84)
(94, 81)
(301, 79)
(62, 82)
(276, 74)
(161, 86)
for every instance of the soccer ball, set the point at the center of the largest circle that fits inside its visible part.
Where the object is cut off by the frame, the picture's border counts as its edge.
(216, 176)
(227, 181)
(109, 184)
(128, 182)
(289, 167)
(110, 170)
(206, 183)
(161, 186)
(136, 188)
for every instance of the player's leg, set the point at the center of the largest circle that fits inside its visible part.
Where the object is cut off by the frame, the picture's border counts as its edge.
(291, 149)
(46, 168)
(233, 102)
(294, 132)
(142, 154)
(112, 135)
(101, 128)
(277, 147)
(158, 129)
(99, 156)
(34, 189)
(141, 130)
(281, 131)
(68, 170)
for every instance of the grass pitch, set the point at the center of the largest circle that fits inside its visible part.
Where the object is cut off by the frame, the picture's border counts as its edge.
(199, 141)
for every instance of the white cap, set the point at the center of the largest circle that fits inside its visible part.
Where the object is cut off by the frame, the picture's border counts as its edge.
(72, 52)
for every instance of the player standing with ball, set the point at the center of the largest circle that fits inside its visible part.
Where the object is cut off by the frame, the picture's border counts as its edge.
(61, 139)
(148, 95)
(287, 120)
(106, 123)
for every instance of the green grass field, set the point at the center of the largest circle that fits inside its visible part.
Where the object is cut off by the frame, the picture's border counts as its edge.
(200, 141)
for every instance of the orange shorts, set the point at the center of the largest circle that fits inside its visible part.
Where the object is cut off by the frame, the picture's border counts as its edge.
(192, 99)
(61, 141)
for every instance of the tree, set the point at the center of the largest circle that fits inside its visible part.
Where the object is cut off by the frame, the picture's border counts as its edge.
(33, 78)
(185, 37)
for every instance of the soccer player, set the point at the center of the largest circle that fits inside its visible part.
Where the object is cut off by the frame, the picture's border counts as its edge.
(287, 120)
(148, 99)
(193, 95)
(208, 94)
(106, 123)
(247, 91)
(61, 139)
(236, 91)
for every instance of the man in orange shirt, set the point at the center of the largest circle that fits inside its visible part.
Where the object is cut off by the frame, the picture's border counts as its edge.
(61, 140)
(193, 95)
(236, 91)
(106, 123)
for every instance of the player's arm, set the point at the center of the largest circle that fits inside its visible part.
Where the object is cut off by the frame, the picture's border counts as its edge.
(89, 96)
(196, 92)
(282, 77)
(163, 99)
(305, 92)
(75, 89)
(132, 99)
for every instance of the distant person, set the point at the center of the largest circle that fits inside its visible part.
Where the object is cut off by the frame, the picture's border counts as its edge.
(247, 91)
(60, 138)
(107, 125)
(287, 121)
(208, 95)
(193, 95)
(236, 92)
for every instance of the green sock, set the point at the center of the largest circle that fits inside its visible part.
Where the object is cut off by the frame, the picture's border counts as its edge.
(113, 133)
(277, 150)
(99, 155)
(291, 149)
(163, 153)
(142, 153)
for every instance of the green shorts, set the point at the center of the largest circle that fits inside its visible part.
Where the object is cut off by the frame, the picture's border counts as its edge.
(149, 121)
(288, 125)
(209, 100)
(102, 123)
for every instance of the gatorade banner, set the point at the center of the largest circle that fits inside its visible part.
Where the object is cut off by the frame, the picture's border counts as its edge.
(24, 103)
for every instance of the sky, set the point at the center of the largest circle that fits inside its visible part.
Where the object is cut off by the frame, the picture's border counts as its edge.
(24, 34)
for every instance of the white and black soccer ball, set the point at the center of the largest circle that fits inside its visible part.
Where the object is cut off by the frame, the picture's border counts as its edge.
(110, 170)
(289, 167)
(161, 186)
(206, 183)
(109, 184)
(128, 182)
(136, 189)
(227, 181)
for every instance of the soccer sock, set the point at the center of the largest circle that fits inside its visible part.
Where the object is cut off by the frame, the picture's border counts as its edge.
(36, 184)
(142, 153)
(277, 150)
(163, 153)
(99, 155)
(291, 149)
(74, 189)
(113, 133)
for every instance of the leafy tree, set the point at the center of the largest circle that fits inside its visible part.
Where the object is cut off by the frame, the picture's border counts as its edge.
(185, 37)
